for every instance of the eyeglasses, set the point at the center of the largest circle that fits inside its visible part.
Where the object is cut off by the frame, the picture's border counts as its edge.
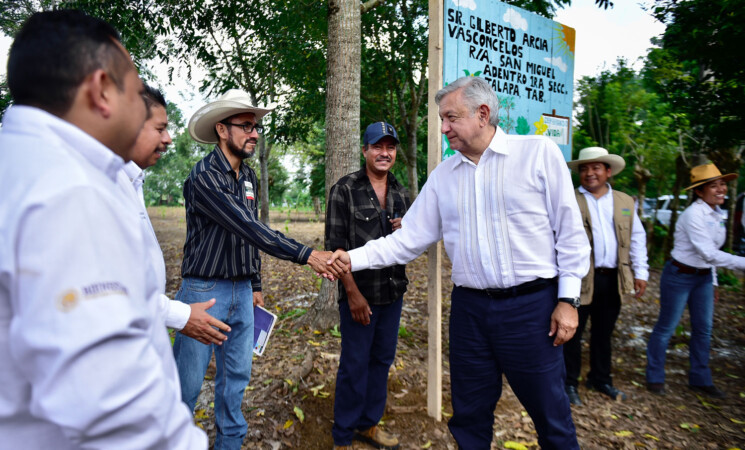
(247, 127)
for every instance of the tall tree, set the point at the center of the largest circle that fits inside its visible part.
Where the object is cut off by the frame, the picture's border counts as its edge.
(694, 69)
(342, 119)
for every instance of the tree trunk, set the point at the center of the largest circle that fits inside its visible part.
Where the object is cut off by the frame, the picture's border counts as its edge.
(411, 168)
(681, 176)
(342, 122)
(264, 152)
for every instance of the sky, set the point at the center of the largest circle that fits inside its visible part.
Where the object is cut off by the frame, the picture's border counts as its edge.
(602, 37)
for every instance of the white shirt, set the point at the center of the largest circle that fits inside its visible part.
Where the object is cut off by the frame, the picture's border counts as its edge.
(699, 233)
(506, 221)
(175, 313)
(605, 244)
(85, 363)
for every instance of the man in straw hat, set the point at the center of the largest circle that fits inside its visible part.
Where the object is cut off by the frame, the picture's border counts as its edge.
(86, 363)
(221, 256)
(618, 265)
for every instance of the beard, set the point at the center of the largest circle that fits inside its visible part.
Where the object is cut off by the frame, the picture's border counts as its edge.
(242, 152)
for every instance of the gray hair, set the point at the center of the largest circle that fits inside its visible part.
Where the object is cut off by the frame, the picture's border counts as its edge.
(476, 92)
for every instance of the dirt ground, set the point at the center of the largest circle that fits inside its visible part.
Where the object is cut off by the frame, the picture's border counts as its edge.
(285, 410)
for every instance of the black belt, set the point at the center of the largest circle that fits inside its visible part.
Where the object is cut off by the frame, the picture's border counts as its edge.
(514, 291)
(606, 270)
(238, 278)
(683, 268)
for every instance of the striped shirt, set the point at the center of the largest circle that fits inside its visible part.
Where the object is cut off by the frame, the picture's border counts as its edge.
(353, 217)
(223, 232)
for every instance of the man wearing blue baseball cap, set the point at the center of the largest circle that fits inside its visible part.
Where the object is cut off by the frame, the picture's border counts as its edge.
(363, 206)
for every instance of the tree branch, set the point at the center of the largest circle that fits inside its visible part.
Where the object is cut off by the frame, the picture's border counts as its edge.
(370, 4)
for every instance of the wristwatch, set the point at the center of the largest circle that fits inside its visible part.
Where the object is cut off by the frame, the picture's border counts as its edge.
(574, 301)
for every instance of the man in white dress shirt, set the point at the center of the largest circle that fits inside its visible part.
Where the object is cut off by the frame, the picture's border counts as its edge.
(152, 142)
(618, 265)
(85, 361)
(505, 208)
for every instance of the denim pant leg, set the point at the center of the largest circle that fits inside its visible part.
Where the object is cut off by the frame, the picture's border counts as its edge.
(701, 308)
(382, 354)
(233, 363)
(192, 357)
(675, 289)
(351, 378)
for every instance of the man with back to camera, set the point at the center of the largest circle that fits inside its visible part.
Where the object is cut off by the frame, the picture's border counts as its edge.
(152, 142)
(221, 256)
(365, 205)
(505, 210)
(86, 361)
(618, 265)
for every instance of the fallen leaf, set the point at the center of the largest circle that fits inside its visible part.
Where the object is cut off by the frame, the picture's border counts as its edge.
(515, 445)
(427, 445)
(200, 414)
(613, 416)
(288, 424)
(260, 413)
(739, 422)
(299, 413)
(647, 435)
(624, 433)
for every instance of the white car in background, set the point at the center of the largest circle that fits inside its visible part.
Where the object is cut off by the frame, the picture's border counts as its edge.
(660, 209)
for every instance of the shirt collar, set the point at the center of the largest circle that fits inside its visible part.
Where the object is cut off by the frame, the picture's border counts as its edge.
(38, 122)
(709, 210)
(498, 144)
(221, 160)
(585, 191)
(133, 171)
(361, 175)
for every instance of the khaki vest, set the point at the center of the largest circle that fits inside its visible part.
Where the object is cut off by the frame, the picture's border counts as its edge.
(623, 219)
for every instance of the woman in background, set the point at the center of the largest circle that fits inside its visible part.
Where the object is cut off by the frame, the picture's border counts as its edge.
(690, 278)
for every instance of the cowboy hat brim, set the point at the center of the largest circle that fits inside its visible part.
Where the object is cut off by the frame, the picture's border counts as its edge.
(202, 123)
(616, 163)
(727, 177)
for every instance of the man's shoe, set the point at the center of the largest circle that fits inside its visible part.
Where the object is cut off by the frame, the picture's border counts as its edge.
(710, 391)
(656, 388)
(608, 390)
(573, 395)
(377, 438)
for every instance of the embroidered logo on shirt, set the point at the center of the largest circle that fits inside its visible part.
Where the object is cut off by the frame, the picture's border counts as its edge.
(68, 300)
(625, 212)
(249, 190)
(103, 289)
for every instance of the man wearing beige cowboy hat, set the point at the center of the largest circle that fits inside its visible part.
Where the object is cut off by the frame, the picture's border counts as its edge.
(618, 266)
(221, 256)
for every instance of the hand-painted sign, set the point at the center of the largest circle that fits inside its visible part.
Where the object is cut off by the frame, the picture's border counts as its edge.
(527, 59)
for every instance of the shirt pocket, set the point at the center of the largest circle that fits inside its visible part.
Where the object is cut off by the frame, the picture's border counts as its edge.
(367, 225)
(624, 235)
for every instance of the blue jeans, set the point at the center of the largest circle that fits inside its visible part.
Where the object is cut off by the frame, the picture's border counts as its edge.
(234, 306)
(677, 290)
(367, 352)
(489, 338)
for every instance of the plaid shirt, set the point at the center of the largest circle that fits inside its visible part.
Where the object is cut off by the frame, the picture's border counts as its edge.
(223, 233)
(354, 217)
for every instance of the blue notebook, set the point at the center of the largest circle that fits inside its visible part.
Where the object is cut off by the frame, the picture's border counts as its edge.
(263, 325)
